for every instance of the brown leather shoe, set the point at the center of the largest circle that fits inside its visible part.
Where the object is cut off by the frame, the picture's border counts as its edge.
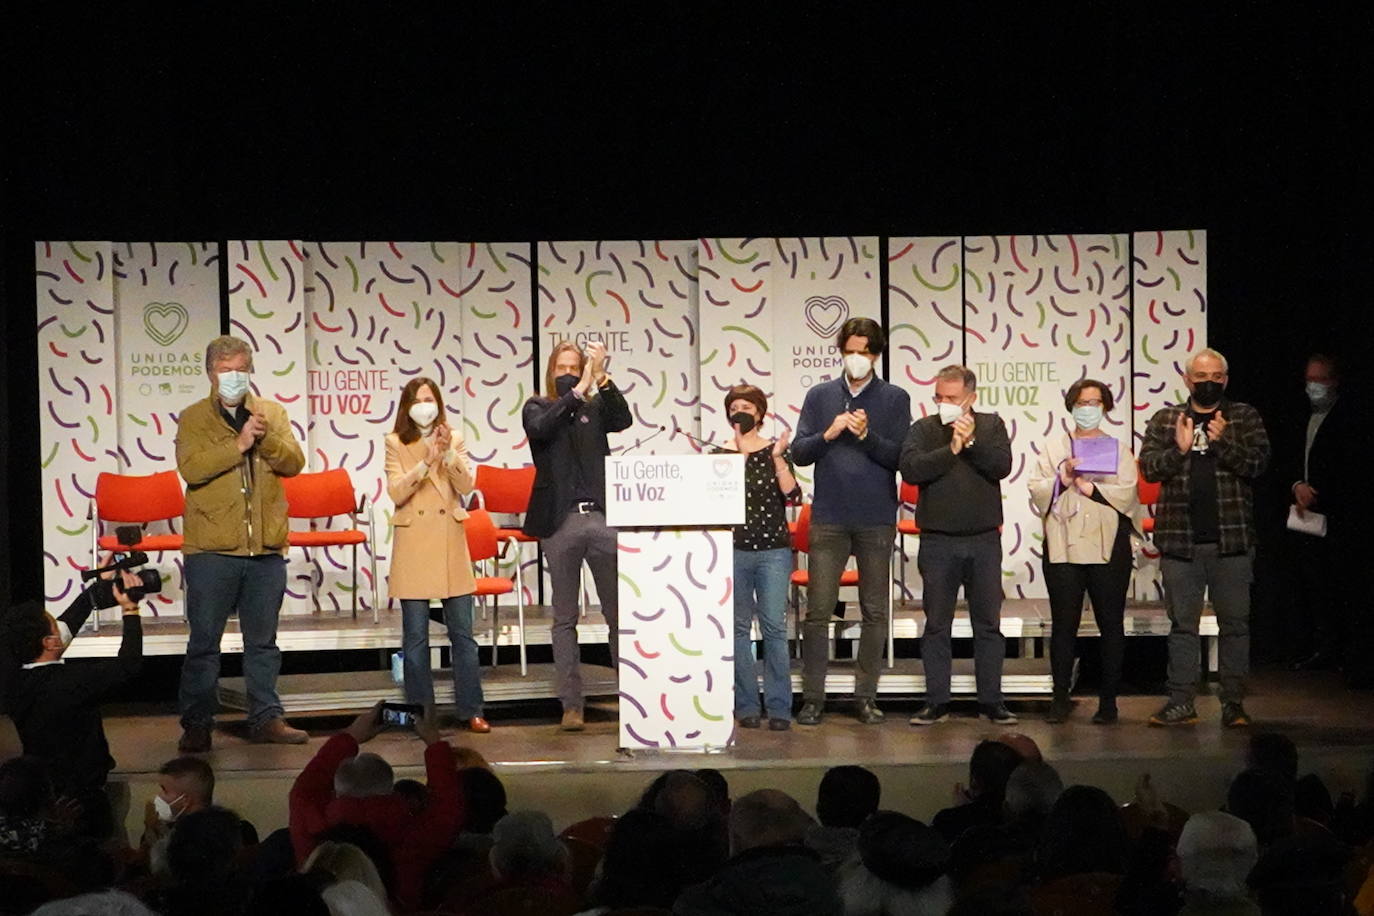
(276, 731)
(572, 720)
(479, 725)
(194, 740)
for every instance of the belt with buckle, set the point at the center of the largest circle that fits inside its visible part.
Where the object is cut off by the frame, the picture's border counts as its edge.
(586, 508)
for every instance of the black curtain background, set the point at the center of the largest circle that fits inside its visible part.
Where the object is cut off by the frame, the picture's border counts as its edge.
(686, 120)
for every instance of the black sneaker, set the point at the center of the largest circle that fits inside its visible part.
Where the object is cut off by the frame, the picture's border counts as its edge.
(779, 725)
(930, 714)
(1175, 714)
(1233, 715)
(750, 722)
(811, 714)
(194, 740)
(998, 713)
(1105, 715)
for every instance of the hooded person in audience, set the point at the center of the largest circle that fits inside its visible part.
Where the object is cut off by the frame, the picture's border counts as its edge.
(342, 786)
(847, 796)
(901, 870)
(1216, 852)
(770, 872)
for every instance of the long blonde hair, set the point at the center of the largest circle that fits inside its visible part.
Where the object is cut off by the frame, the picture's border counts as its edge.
(550, 390)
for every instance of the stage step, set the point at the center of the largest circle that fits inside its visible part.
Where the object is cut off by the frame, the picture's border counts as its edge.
(1023, 619)
(355, 690)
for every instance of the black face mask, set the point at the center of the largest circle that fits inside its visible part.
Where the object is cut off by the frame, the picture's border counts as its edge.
(745, 421)
(565, 383)
(1206, 394)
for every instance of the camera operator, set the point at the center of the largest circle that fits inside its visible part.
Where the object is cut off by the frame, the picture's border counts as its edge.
(56, 706)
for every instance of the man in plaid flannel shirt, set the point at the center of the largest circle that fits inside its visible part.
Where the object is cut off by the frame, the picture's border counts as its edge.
(1207, 454)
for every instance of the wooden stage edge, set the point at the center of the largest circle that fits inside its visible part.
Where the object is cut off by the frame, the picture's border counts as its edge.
(574, 775)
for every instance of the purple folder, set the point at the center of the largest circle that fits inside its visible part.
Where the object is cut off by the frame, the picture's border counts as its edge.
(1096, 455)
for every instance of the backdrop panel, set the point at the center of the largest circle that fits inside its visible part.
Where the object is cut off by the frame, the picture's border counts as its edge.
(925, 317)
(773, 311)
(1040, 313)
(1170, 323)
(640, 299)
(77, 382)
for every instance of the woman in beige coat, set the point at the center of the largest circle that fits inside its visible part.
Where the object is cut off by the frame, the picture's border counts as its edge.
(427, 473)
(1089, 519)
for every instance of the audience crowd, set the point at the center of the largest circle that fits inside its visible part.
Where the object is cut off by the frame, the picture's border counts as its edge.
(1016, 840)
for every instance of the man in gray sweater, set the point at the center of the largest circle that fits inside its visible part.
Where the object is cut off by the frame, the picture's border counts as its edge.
(958, 459)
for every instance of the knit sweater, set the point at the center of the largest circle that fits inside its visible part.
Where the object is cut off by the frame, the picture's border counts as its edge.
(855, 479)
(960, 494)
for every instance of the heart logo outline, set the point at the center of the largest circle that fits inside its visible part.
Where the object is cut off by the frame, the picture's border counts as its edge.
(155, 315)
(825, 314)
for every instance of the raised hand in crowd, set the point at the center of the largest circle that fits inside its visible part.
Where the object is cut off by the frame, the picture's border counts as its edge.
(366, 726)
(427, 726)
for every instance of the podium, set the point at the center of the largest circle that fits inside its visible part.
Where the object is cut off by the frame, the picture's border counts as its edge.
(677, 609)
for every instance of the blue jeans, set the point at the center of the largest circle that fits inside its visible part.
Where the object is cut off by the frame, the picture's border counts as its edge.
(761, 578)
(218, 584)
(467, 677)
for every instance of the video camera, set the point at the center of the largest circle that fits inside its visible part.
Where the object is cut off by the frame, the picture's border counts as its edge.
(101, 591)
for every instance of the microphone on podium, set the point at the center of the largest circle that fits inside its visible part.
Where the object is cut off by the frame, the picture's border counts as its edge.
(701, 442)
(645, 441)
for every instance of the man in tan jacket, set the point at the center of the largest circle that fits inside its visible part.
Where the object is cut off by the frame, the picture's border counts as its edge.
(233, 449)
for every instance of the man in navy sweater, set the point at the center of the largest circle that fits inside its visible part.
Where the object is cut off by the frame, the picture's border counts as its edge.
(851, 429)
(958, 458)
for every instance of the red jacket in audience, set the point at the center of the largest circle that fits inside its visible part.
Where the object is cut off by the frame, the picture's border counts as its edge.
(415, 840)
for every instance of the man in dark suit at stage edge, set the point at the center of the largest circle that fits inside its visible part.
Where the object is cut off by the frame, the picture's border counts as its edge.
(1207, 453)
(1322, 468)
(233, 449)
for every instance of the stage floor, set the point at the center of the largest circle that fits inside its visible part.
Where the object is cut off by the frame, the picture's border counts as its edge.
(573, 775)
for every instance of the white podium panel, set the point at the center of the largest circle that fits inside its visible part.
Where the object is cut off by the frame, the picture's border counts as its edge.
(676, 638)
(674, 491)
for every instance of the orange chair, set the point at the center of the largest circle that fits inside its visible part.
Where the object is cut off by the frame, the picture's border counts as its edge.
(135, 500)
(485, 547)
(506, 491)
(324, 494)
(1149, 497)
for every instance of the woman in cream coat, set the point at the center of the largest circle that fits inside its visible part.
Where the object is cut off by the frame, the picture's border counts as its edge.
(1089, 520)
(428, 473)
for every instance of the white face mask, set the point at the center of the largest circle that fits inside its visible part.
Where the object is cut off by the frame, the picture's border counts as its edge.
(857, 366)
(424, 413)
(949, 412)
(233, 386)
(163, 807)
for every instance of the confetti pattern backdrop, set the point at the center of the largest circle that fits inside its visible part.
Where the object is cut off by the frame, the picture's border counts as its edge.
(342, 326)
(925, 333)
(1051, 308)
(1170, 324)
(676, 651)
(120, 329)
(1040, 313)
(770, 310)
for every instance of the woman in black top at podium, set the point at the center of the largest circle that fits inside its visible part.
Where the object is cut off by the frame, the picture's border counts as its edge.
(567, 430)
(763, 562)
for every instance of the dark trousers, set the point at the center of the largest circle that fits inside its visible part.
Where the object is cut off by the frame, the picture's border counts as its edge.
(580, 538)
(1106, 585)
(947, 562)
(1316, 598)
(831, 547)
(1226, 581)
(217, 585)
